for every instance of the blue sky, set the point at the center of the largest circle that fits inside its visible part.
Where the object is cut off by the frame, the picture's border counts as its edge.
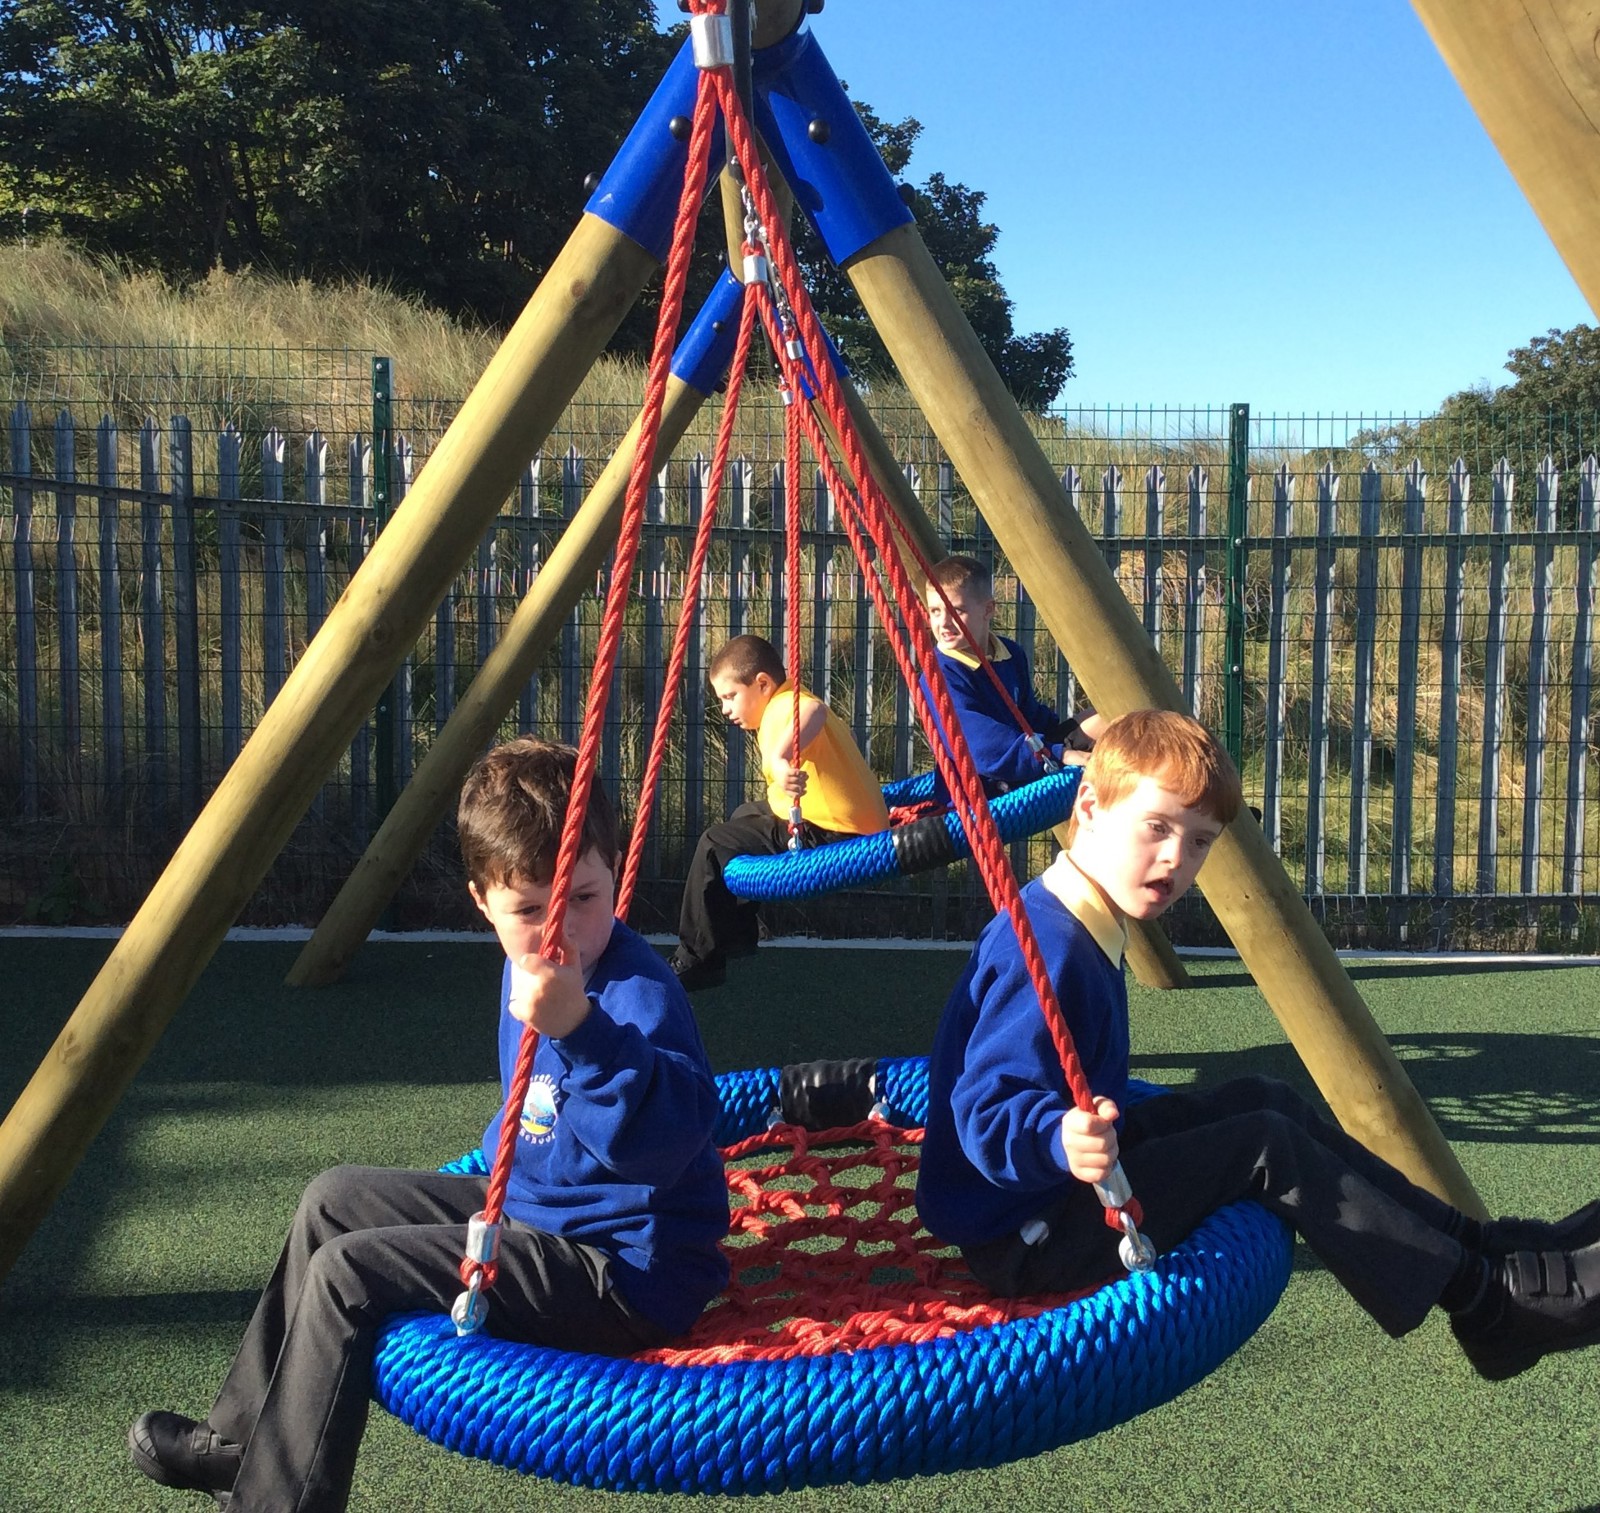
(1288, 204)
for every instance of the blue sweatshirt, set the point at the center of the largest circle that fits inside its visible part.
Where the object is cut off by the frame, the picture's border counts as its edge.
(999, 748)
(993, 1157)
(615, 1147)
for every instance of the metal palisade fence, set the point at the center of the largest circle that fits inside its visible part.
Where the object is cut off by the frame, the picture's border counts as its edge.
(1392, 626)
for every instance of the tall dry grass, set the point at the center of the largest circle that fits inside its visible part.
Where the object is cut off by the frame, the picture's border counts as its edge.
(259, 351)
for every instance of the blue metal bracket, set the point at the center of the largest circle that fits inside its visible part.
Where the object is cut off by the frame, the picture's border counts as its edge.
(822, 149)
(808, 124)
(706, 348)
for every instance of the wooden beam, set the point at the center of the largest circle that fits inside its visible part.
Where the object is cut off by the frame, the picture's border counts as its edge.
(1530, 69)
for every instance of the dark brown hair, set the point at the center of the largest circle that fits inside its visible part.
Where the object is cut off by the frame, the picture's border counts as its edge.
(958, 572)
(745, 657)
(513, 806)
(1177, 751)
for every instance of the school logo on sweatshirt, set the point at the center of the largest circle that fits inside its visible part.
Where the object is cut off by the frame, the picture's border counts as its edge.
(539, 1110)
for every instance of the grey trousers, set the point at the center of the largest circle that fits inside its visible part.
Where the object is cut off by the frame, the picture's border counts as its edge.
(713, 924)
(368, 1242)
(1186, 1154)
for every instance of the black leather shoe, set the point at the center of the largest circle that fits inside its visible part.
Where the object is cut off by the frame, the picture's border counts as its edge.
(693, 975)
(1535, 1303)
(178, 1452)
(1500, 1237)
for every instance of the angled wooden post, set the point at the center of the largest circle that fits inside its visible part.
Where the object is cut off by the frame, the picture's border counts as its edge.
(232, 844)
(1531, 73)
(433, 789)
(989, 441)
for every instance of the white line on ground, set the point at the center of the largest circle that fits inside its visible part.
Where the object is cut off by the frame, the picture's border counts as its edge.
(292, 934)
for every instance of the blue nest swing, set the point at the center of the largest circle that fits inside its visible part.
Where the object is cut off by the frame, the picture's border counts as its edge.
(977, 1396)
(931, 841)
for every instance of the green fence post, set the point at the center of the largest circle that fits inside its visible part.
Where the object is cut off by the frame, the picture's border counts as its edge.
(382, 500)
(1238, 512)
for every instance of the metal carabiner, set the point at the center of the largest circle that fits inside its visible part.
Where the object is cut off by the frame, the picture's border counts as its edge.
(1042, 753)
(469, 1310)
(1115, 1192)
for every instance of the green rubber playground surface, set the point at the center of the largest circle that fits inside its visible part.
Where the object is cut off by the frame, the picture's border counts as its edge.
(134, 1291)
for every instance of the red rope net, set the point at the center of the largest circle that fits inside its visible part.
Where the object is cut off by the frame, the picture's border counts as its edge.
(828, 1255)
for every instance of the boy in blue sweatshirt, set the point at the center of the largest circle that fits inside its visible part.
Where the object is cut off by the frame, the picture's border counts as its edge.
(1000, 750)
(615, 1208)
(1009, 1160)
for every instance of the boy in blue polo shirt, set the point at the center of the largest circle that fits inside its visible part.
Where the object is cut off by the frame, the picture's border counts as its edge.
(1009, 1160)
(615, 1207)
(1000, 750)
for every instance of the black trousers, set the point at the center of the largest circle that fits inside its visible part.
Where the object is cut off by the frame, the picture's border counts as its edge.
(713, 924)
(1186, 1154)
(368, 1242)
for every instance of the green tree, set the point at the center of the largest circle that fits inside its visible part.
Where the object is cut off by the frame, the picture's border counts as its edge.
(440, 148)
(1551, 408)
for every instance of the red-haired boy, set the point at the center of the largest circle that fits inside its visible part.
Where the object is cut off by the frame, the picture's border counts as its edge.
(1009, 1159)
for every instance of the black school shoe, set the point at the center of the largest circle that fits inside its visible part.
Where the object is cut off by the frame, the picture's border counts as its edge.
(693, 975)
(1500, 1237)
(178, 1452)
(1535, 1303)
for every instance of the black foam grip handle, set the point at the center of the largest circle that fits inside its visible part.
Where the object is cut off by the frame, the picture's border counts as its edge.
(922, 844)
(821, 1095)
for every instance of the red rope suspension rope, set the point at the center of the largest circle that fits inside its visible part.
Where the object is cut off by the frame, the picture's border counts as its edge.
(792, 401)
(959, 771)
(478, 1271)
(972, 806)
(690, 607)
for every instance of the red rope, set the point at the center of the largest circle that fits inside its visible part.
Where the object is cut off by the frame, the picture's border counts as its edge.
(956, 764)
(987, 850)
(827, 1255)
(611, 628)
(689, 608)
(792, 400)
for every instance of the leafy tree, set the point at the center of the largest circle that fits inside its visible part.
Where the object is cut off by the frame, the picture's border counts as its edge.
(441, 148)
(1550, 408)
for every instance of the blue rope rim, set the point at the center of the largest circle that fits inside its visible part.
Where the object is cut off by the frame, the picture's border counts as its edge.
(970, 1400)
(1022, 812)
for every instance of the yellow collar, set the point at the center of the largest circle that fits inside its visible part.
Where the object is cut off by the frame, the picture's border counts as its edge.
(998, 652)
(1066, 880)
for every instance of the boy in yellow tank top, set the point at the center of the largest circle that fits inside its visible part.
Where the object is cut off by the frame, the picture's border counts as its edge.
(837, 792)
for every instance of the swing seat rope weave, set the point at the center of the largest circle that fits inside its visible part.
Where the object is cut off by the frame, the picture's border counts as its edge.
(850, 1346)
(932, 841)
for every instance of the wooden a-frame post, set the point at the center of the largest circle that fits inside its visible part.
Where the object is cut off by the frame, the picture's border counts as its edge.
(434, 787)
(1531, 72)
(528, 383)
(298, 743)
(1015, 488)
